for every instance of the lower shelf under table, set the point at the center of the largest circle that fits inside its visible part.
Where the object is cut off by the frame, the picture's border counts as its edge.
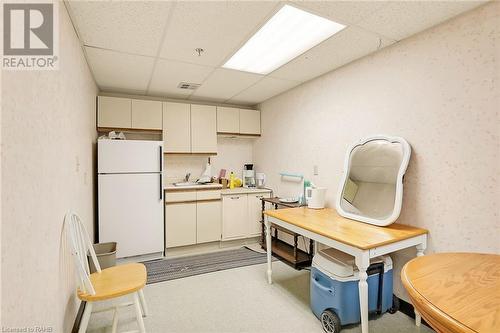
(285, 252)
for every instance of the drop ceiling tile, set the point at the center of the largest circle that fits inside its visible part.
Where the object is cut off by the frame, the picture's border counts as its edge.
(133, 27)
(116, 71)
(345, 12)
(402, 19)
(262, 90)
(168, 74)
(219, 27)
(225, 83)
(340, 49)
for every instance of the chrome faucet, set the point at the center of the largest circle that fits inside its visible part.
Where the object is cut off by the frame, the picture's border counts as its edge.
(186, 177)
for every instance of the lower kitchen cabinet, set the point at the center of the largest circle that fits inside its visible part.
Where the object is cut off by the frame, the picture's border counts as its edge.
(180, 228)
(208, 221)
(241, 215)
(194, 217)
(255, 213)
(234, 216)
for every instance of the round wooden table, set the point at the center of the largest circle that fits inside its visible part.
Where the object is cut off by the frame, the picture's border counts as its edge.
(456, 292)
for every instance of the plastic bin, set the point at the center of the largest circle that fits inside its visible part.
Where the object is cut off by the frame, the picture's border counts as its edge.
(106, 255)
(334, 288)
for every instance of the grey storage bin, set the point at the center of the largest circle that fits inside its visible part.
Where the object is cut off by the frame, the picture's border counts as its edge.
(106, 255)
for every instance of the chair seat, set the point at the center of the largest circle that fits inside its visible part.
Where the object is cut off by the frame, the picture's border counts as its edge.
(116, 281)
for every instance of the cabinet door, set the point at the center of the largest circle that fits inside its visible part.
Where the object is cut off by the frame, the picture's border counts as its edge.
(203, 129)
(228, 120)
(234, 216)
(209, 221)
(180, 224)
(146, 114)
(255, 213)
(250, 122)
(176, 127)
(114, 112)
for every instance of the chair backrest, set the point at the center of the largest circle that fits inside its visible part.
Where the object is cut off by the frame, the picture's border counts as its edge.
(81, 245)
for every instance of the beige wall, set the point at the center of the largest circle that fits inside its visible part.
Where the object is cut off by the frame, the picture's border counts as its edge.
(48, 135)
(232, 153)
(439, 90)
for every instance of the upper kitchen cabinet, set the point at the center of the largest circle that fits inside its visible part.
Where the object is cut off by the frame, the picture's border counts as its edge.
(146, 114)
(125, 113)
(114, 112)
(228, 120)
(203, 129)
(176, 127)
(249, 122)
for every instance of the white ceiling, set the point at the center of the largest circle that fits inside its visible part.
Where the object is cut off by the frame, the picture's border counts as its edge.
(148, 47)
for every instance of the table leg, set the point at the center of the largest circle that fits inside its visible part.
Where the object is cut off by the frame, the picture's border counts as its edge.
(362, 262)
(420, 252)
(269, 251)
(263, 237)
(295, 244)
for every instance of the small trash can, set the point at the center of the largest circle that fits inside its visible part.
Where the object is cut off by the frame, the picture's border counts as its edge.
(334, 288)
(106, 255)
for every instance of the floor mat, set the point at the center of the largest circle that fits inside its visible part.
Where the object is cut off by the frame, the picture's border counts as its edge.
(176, 268)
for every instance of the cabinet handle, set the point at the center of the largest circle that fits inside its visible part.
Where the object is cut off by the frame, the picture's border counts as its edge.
(235, 198)
(260, 196)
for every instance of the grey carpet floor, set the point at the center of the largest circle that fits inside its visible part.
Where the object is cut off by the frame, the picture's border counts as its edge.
(176, 268)
(237, 300)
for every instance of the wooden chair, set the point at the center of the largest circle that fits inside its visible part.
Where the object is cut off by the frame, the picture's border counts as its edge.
(104, 284)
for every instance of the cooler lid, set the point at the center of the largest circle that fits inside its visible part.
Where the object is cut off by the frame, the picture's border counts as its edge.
(335, 262)
(338, 263)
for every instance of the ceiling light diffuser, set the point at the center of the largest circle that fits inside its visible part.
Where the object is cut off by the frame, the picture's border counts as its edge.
(288, 34)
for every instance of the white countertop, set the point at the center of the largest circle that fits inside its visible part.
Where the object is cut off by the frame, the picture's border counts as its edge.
(215, 186)
(244, 190)
(172, 187)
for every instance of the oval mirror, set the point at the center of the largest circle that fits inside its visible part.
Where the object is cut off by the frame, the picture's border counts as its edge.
(371, 189)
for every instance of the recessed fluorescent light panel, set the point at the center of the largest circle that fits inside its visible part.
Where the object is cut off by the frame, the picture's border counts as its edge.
(288, 34)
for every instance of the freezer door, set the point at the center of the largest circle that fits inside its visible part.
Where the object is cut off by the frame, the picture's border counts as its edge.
(131, 213)
(129, 156)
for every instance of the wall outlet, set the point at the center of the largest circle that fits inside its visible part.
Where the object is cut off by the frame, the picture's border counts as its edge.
(315, 170)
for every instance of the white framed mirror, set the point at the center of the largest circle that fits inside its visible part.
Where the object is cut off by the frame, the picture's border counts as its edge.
(371, 187)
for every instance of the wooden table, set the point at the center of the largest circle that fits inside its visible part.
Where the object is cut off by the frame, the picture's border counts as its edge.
(361, 240)
(456, 292)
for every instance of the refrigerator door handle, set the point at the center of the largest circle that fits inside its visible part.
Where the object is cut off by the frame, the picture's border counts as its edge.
(161, 158)
(161, 173)
(161, 187)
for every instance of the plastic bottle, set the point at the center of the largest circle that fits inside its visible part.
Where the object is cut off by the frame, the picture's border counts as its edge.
(307, 184)
(231, 180)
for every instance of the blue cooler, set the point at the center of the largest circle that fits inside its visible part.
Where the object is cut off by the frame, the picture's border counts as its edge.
(334, 288)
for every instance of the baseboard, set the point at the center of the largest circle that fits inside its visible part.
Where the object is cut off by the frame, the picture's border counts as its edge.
(78, 319)
(409, 310)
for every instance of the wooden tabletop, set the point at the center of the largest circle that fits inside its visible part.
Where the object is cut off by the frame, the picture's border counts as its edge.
(328, 223)
(456, 292)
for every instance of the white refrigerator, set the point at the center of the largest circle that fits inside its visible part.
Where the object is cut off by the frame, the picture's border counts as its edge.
(130, 196)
